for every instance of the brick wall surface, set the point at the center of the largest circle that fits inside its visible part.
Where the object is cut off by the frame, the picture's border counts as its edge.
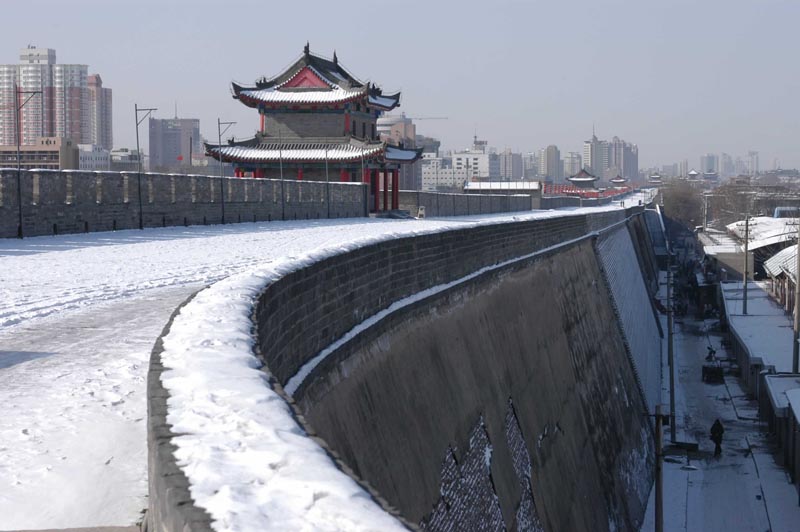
(56, 202)
(369, 279)
(442, 204)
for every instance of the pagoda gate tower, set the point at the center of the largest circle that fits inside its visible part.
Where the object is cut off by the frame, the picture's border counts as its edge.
(318, 122)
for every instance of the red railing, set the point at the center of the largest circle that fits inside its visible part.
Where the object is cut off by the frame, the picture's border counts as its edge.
(572, 190)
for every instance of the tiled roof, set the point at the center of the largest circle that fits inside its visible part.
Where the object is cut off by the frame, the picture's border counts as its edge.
(394, 153)
(298, 152)
(343, 86)
(502, 185)
(784, 261)
(308, 96)
(582, 177)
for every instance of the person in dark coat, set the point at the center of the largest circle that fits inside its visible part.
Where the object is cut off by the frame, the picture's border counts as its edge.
(717, 430)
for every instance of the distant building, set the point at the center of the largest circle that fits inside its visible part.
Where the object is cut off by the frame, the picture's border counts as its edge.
(709, 163)
(50, 153)
(428, 144)
(93, 157)
(173, 141)
(438, 174)
(100, 121)
(550, 164)
(61, 108)
(125, 160)
(683, 168)
(572, 163)
(752, 157)
(510, 165)
(399, 130)
(595, 155)
(530, 165)
(623, 159)
(477, 162)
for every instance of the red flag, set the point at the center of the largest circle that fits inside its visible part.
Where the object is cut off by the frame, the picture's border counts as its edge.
(180, 157)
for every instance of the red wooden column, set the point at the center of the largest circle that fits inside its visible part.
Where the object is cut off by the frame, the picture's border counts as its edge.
(343, 177)
(396, 188)
(377, 177)
(300, 173)
(385, 189)
(365, 177)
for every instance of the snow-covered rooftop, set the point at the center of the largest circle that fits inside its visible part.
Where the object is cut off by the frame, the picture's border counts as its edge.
(502, 185)
(318, 152)
(765, 330)
(765, 230)
(784, 261)
(777, 386)
(272, 95)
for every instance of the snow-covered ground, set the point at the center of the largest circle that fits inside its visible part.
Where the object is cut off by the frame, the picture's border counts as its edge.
(78, 317)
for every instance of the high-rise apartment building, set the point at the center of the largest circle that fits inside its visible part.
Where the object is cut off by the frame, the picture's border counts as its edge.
(595, 156)
(173, 141)
(510, 165)
(752, 157)
(683, 168)
(100, 122)
(709, 164)
(60, 106)
(550, 163)
(572, 163)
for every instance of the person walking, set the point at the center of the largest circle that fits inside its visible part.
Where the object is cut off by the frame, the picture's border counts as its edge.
(717, 430)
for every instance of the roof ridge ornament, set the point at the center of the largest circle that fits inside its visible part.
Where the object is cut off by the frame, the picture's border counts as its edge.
(306, 50)
(335, 59)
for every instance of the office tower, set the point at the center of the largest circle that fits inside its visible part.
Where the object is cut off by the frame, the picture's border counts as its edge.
(173, 141)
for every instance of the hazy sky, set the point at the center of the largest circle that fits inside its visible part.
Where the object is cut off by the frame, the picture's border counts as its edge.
(679, 78)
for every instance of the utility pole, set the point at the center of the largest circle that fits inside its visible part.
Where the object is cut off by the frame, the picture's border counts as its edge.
(659, 474)
(670, 351)
(139, 156)
(220, 131)
(795, 339)
(705, 211)
(746, 266)
(18, 108)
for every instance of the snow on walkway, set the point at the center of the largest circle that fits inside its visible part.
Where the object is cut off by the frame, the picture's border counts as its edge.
(78, 317)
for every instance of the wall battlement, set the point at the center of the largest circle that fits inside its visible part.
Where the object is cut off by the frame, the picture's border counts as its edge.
(65, 201)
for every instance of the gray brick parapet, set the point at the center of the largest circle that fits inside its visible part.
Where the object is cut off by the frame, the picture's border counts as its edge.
(65, 201)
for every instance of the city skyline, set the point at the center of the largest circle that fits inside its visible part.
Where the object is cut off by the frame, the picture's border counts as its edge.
(658, 93)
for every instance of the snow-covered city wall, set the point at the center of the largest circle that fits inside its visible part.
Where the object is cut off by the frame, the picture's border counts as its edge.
(397, 400)
(544, 308)
(446, 204)
(71, 201)
(634, 308)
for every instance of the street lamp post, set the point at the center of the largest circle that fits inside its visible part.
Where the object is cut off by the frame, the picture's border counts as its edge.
(327, 184)
(18, 108)
(146, 112)
(220, 131)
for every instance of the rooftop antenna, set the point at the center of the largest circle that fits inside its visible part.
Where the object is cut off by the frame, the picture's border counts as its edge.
(176, 109)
